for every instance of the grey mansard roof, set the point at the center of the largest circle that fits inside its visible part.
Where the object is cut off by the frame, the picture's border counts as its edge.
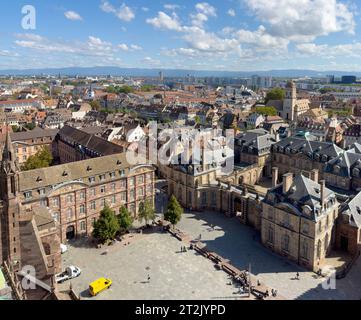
(303, 192)
(324, 150)
(353, 210)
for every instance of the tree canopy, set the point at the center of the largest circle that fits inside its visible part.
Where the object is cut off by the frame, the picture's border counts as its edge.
(107, 226)
(125, 219)
(146, 211)
(275, 94)
(42, 159)
(267, 111)
(120, 89)
(174, 211)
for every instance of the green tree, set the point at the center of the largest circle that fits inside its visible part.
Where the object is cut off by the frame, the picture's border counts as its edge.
(146, 211)
(174, 211)
(95, 105)
(275, 94)
(267, 111)
(107, 226)
(125, 219)
(42, 159)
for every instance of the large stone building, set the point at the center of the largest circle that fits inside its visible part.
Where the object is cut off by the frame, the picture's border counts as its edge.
(74, 145)
(41, 208)
(298, 220)
(290, 108)
(28, 143)
(301, 154)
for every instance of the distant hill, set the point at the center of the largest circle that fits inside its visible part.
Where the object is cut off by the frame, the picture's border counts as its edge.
(137, 72)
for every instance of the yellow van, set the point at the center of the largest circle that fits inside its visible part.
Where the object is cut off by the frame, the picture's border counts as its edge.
(99, 285)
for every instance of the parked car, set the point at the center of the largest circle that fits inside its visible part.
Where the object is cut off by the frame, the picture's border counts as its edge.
(63, 248)
(69, 273)
(99, 285)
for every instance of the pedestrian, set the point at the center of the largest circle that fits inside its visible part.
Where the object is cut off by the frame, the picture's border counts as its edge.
(258, 283)
(200, 236)
(272, 292)
(148, 278)
(297, 276)
(275, 293)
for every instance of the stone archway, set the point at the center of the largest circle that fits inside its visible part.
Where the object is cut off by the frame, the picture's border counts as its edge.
(70, 232)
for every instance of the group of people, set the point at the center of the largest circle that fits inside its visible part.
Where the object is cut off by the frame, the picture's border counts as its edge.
(183, 249)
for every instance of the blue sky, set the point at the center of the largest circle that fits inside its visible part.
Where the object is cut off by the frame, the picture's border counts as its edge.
(202, 35)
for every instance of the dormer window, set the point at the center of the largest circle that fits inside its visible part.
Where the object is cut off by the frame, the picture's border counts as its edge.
(89, 168)
(336, 169)
(356, 172)
(91, 179)
(28, 195)
(65, 174)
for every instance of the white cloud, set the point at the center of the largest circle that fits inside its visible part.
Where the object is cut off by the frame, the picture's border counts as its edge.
(350, 50)
(145, 9)
(204, 11)
(72, 15)
(303, 20)
(207, 9)
(165, 22)
(132, 47)
(136, 47)
(123, 47)
(92, 47)
(172, 7)
(124, 13)
(231, 12)
(151, 61)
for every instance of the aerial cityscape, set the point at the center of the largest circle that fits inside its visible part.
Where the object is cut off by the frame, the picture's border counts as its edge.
(181, 150)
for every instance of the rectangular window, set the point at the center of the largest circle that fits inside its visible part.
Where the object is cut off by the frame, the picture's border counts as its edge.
(56, 216)
(56, 202)
(92, 205)
(102, 189)
(82, 209)
(131, 182)
(82, 195)
(112, 175)
(92, 192)
(123, 184)
(140, 192)
(122, 173)
(92, 179)
(113, 199)
(70, 213)
(141, 179)
(69, 198)
(82, 226)
(102, 177)
(131, 195)
(42, 192)
(123, 196)
(103, 203)
(43, 203)
(113, 187)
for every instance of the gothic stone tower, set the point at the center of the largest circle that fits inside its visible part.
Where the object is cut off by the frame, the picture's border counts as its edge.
(9, 205)
(290, 101)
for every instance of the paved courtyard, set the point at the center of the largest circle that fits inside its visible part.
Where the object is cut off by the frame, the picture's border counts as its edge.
(241, 245)
(174, 275)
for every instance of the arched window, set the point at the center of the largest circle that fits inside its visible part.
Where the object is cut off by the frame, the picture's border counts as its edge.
(326, 243)
(285, 242)
(270, 234)
(319, 245)
(304, 250)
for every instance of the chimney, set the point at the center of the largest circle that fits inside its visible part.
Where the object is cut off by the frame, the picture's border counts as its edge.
(287, 182)
(274, 176)
(314, 175)
(323, 193)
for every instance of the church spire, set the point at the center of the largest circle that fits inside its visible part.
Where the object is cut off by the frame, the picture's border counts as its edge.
(8, 155)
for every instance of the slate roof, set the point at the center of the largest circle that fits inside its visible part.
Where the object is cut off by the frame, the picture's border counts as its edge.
(33, 134)
(88, 141)
(353, 210)
(306, 146)
(303, 192)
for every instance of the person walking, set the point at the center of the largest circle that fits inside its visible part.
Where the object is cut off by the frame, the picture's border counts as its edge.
(148, 278)
(297, 276)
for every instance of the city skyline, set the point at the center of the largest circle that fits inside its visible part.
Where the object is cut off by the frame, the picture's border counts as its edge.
(241, 35)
